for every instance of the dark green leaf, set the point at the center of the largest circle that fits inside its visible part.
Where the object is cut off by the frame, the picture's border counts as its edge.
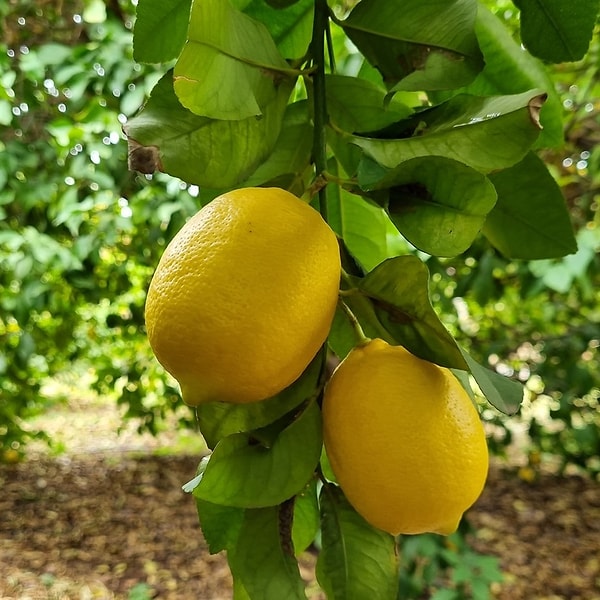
(503, 393)
(291, 29)
(438, 204)
(357, 561)
(417, 45)
(220, 419)
(166, 137)
(281, 3)
(555, 31)
(510, 70)
(394, 304)
(530, 219)
(358, 105)
(230, 52)
(220, 524)
(160, 29)
(243, 472)
(484, 133)
(263, 560)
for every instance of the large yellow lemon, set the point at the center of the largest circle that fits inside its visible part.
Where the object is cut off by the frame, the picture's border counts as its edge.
(244, 296)
(404, 440)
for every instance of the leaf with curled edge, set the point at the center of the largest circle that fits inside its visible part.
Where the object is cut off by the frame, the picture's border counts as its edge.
(485, 133)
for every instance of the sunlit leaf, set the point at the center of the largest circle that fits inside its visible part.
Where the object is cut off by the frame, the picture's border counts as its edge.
(501, 392)
(291, 29)
(356, 560)
(261, 562)
(230, 52)
(484, 133)
(166, 137)
(556, 32)
(438, 204)
(560, 275)
(510, 70)
(243, 472)
(531, 219)
(306, 518)
(364, 227)
(417, 45)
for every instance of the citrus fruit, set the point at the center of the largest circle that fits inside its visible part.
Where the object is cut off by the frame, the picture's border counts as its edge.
(404, 440)
(244, 296)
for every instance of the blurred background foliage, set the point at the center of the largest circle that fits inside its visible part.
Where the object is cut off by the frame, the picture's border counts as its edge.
(80, 236)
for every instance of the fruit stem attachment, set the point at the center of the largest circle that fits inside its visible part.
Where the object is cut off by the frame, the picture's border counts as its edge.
(356, 326)
(320, 118)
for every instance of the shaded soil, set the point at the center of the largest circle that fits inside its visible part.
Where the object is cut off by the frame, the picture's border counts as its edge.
(105, 526)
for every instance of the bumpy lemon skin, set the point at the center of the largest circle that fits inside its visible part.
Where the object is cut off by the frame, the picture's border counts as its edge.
(244, 296)
(404, 440)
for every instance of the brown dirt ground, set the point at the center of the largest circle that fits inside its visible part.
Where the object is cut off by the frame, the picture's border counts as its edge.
(109, 514)
(96, 526)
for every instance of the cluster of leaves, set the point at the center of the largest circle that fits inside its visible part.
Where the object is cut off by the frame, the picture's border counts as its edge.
(79, 235)
(421, 144)
(537, 321)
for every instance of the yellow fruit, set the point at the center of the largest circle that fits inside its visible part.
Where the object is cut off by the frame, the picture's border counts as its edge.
(404, 440)
(244, 296)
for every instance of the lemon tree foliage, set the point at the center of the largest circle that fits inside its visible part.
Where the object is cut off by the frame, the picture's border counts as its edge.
(72, 219)
(425, 142)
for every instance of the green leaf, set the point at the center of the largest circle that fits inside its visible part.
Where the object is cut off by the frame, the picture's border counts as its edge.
(306, 518)
(560, 275)
(239, 591)
(220, 419)
(230, 52)
(394, 304)
(357, 561)
(243, 472)
(503, 393)
(555, 31)
(438, 204)
(510, 70)
(217, 154)
(358, 105)
(366, 229)
(417, 45)
(261, 562)
(531, 219)
(291, 156)
(160, 29)
(484, 133)
(291, 29)
(220, 525)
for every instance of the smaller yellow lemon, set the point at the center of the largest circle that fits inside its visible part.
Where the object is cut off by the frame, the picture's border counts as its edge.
(404, 440)
(244, 296)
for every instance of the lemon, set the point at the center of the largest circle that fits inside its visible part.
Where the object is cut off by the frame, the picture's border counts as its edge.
(404, 440)
(244, 296)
